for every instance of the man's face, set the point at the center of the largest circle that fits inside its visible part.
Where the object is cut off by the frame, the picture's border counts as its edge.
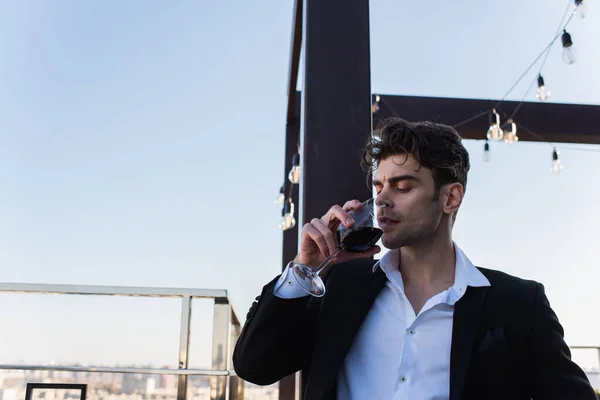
(414, 211)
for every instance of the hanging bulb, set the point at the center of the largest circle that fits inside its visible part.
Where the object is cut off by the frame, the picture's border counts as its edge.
(494, 131)
(375, 105)
(581, 9)
(294, 175)
(287, 217)
(486, 151)
(510, 134)
(569, 54)
(280, 197)
(542, 92)
(557, 165)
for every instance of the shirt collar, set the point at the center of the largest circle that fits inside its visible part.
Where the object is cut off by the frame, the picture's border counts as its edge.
(465, 274)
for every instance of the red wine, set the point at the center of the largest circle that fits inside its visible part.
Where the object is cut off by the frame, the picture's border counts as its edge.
(360, 239)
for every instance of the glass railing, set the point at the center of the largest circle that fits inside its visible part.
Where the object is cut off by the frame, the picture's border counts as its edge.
(220, 380)
(588, 358)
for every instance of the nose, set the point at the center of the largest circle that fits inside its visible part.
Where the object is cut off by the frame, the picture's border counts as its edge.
(382, 205)
(382, 202)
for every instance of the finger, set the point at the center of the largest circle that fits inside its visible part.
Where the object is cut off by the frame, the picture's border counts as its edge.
(335, 215)
(352, 205)
(312, 233)
(327, 234)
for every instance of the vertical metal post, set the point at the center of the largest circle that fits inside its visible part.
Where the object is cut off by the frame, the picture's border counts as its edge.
(236, 384)
(220, 348)
(287, 385)
(184, 345)
(337, 117)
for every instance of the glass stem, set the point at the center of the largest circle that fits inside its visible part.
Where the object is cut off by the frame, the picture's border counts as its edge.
(325, 263)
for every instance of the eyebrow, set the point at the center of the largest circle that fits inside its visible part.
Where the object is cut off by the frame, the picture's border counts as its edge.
(395, 179)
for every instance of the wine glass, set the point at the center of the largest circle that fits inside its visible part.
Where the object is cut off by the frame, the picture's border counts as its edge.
(363, 236)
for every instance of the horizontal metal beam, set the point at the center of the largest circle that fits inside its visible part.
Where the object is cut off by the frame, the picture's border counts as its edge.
(118, 370)
(128, 291)
(553, 122)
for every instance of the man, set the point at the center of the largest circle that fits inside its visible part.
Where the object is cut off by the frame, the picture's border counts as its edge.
(423, 322)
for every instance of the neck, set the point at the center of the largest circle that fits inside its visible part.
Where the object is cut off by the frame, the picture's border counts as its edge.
(429, 263)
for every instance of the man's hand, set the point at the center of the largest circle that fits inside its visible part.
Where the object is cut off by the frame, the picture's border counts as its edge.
(319, 240)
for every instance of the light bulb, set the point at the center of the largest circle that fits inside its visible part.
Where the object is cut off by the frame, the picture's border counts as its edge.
(486, 151)
(542, 92)
(510, 136)
(294, 175)
(557, 165)
(375, 105)
(494, 131)
(290, 221)
(280, 197)
(287, 217)
(569, 54)
(581, 9)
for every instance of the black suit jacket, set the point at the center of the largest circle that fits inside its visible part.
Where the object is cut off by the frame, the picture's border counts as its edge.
(507, 343)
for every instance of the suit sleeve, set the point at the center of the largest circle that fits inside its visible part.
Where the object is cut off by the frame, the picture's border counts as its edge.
(277, 337)
(554, 375)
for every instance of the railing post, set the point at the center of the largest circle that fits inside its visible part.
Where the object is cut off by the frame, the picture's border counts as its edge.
(220, 349)
(184, 345)
(236, 384)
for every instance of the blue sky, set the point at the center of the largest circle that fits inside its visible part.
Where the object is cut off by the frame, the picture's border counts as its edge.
(130, 156)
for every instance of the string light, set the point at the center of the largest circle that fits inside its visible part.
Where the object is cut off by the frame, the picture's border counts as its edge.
(542, 92)
(280, 197)
(569, 54)
(557, 165)
(294, 174)
(375, 105)
(494, 131)
(486, 151)
(581, 9)
(287, 221)
(510, 134)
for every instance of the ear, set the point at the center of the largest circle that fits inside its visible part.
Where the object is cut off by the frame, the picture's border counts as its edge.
(454, 194)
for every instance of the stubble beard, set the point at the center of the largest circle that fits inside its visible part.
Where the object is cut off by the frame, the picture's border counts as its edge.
(420, 234)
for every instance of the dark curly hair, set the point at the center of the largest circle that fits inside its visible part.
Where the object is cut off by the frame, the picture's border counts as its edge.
(435, 146)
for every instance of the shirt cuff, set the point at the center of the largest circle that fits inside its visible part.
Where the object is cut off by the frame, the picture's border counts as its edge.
(287, 287)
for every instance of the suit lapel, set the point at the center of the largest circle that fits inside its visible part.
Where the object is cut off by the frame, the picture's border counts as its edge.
(351, 294)
(467, 312)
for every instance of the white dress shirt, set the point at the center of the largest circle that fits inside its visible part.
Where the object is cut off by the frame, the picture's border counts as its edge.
(396, 354)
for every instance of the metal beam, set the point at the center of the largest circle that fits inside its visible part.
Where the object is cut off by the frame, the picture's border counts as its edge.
(184, 346)
(220, 348)
(295, 50)
(127, 291)
(287, 385)
(118, 370)
(336, 104)
(552, 122)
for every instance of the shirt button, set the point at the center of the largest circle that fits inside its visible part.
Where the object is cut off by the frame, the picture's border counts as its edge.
(411, 331)
(403, 379)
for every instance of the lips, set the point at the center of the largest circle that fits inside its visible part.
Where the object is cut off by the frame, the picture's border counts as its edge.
(385, 223)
